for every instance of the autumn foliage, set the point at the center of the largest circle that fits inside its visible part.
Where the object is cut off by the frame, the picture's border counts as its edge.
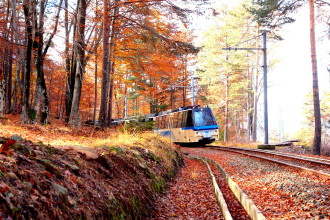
(58, 69)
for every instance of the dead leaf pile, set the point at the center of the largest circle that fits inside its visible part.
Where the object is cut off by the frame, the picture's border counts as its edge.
(190, 196)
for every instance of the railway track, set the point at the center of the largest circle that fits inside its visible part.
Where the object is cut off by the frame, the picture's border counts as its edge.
(317, 166)
(279, 190)
(233, 202)
(203, 190)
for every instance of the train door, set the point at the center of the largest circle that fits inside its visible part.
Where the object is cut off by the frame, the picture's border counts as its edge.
(180, 137)
(185, 132)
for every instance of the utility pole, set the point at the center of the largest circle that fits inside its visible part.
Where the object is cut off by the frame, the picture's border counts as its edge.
(264, 50)
(192, 88)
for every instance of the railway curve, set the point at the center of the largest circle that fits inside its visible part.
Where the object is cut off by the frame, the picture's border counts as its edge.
(318, 166)
(279, 191)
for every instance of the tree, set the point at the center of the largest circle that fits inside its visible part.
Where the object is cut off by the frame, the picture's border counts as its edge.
(266, 14)
(108, 60)
(316, 99)
(143, 42)
(79, 50)
(28, 11)
(227, 75)
(41, 46)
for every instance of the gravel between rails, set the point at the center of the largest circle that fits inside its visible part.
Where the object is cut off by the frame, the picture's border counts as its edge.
(190, 195)
(298, 162)
(278, 191)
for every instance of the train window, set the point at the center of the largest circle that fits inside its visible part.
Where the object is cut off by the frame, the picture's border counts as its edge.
(163, 121)
(166, 121)
(189, 122)
(157, 122)
(175, 120)
(184, 119)
(159, 119)
(171, 120)
(203, 117)
(179, 125)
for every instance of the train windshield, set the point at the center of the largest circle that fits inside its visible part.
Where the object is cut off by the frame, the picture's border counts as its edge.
(203, 117)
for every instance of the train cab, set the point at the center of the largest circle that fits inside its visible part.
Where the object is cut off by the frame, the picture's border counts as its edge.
(188, 125)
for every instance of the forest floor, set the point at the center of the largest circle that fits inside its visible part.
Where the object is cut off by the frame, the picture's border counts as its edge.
(55, 172)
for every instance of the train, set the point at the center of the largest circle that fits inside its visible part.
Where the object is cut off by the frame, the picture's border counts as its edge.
(188, 126)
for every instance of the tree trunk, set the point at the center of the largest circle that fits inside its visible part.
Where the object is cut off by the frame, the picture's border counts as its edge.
(1, 93)
(113, 36)
(255, 94)
(79, 49)
(225, 136)
(18, 85)
(110, 99)
(105, 65)
(95, 90)
(250, 106)
(27, 67)
(69, 80)
(316, 99)
(8, 68)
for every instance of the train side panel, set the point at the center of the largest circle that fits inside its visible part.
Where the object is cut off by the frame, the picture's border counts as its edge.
(189, 126)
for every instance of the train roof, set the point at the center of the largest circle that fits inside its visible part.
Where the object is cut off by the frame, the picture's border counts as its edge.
(178, 109)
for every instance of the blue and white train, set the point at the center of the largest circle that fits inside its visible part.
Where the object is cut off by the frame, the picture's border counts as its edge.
(191, 125)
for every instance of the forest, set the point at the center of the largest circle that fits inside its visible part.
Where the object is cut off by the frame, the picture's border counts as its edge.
(101, 60)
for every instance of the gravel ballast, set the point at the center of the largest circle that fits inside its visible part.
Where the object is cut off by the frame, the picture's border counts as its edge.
(278, 191)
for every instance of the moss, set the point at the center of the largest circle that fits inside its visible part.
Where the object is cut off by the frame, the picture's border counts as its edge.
(266, 147)
(115, 209)
(153, 156)
(136, 205)
(32, 114)
(157, 184)
(305, 147)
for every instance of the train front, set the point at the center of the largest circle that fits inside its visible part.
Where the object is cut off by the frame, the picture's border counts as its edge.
(205, 125)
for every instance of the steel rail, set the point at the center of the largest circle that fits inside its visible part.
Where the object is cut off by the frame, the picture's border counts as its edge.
(246, 202)
(321, 161)
(319, 173)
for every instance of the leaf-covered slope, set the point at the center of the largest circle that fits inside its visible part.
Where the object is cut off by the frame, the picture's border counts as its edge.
(39, 181)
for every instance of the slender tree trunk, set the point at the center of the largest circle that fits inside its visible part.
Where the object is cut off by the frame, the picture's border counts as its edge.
(18, 85)
(316, 99)
(113, 36)
(80, 67)
(225, 136)
(95, 90)
(110, 104)
(1, 93)
(255, 94)
(8, 79)
(41, 90)
(105, 65)
(250, 107)
(255, 107)
(27, 67)
(69, 84)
